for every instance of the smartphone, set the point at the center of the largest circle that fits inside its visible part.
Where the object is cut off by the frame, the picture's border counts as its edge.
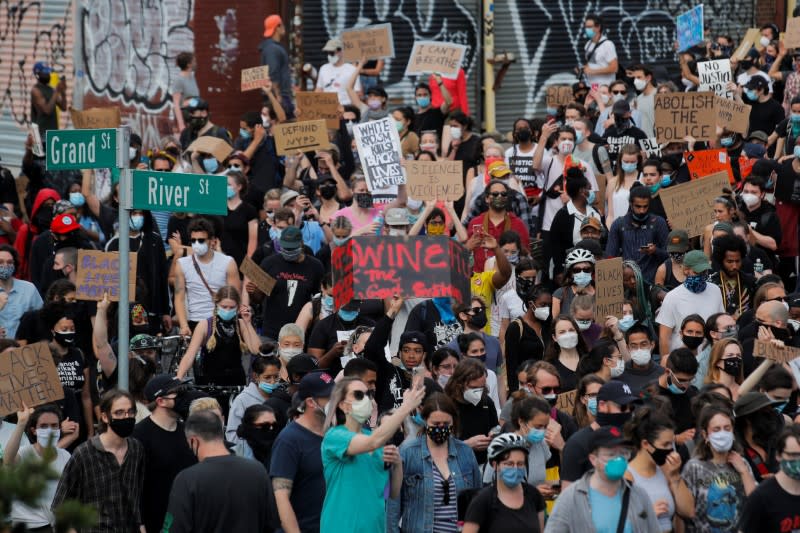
(595, 86)
(477, 229)
(418, 377)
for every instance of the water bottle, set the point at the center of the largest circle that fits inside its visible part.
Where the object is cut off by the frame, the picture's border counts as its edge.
(758, 267)
(379, 220)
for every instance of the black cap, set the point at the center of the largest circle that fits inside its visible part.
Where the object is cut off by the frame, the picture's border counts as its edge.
(291, 238)
(607, 437)
(301, 364)
(377, 91)
(161, 385)
(621, 107)
(757, 82)
(618, 392)
(413, 337)
(793, 299)
(315, 385)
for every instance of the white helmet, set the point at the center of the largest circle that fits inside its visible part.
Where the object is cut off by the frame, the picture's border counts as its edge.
(579, 255)
(506, 442)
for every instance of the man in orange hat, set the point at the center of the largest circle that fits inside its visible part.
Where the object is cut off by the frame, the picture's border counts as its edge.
(274, 55)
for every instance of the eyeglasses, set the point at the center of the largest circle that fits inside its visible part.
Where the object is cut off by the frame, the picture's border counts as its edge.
(777, 299)
(198, 241)
(122, 413)
(619, 92)
(550, 390)
(588, 270)
(449, 366)
(495, 194)
(625, 454)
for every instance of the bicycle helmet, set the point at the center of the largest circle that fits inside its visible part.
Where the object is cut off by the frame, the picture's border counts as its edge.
(579, 255)
(143, 342)
(505, 442)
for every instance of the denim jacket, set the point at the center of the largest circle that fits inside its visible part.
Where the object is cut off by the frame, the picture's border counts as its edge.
(416, 496)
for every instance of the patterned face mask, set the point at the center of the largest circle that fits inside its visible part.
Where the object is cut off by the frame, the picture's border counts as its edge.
(439, 434)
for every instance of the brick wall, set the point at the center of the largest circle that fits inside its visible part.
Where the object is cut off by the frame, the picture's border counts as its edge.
(771, 11)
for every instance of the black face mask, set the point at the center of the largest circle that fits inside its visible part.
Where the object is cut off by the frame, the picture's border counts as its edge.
(621, 122)
(64, 339)
(524, 135)
(123, 427)
(43, 218)
(43, 78)
(732, 367)
(327, 191)
(478, 321)
(612, 419)
(363, 200)
(691, 342)
(260, 440)
(659, 455)
(524, 287)
(746, 64)
(198, 122)
(639, 218)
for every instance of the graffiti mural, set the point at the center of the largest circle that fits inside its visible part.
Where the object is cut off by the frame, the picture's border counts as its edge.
(439, 20)
(128, 48)
(227, 45)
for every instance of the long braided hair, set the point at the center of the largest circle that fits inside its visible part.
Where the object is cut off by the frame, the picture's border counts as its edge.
(226, 292)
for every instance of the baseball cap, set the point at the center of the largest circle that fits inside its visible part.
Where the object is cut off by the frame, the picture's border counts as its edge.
(591, 222)
(618, 392)
(757, 82)
(333, 45)
(301, 364)
(315, 385)
(697, 261)
(271, 23)
(677, 241)
(397, 216)
(750, 402)
(291, 238)
(142, 342)
(498, 169)
(621, 107)
(62, 224)
(758, 135)
(40, 67)
(288, 196)
(161, 385)
(377, 91)
(607, 437)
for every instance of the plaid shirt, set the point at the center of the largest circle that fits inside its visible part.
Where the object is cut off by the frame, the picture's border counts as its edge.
(94, 477)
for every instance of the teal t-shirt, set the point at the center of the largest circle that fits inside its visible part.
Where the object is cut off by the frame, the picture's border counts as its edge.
(605, 511)
(354, 486)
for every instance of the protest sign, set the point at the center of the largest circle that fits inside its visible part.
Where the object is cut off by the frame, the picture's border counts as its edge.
(206, 144)
(315, 106)
(565, 401)
(751, 38)
(28, 375)
(690, 28)
(732, 115)
(609, 295)
(558, 95)
(437, 57)
(379, 151)
(792, 37)
(255, 78)
(682, 114)
(650, 147)
(378, 267)
(442, 180)
(371, 42)
(715, 76)
(773, 352)
(300, 136)
(702, 163)
(98, 273)
(689, 206)
(36, 136)
(254, 273)
(95, 118)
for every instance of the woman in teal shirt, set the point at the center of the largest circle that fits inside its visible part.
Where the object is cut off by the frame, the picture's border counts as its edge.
(354, 460)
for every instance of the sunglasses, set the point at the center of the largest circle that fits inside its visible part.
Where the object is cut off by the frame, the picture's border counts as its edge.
(358, 395)
(496, 194)
(619, 92)
(446, 491)
(777, 299)
(198, 241)
(551, 390)
(588, 270)
(477, 310)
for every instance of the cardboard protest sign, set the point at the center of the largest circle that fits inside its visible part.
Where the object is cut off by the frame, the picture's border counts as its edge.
(701, 163)
(37, 148)
(690, 28)
(95, 118)
(732, 115)
(315, 106)
(566, 401)
(792, 37)
(379, 151)
(558, 95)
(767, 350)
(689, 206)
(98, 273)
(378, 267)
(436, 57)
(609, 295)
(207, 144)
(254, 273)
(300, 136)
(715, 76)
(682, 114)
(255, 78)
(442, 180)
(650, 147)
(28, 375)
(751, 38)
(371, 42)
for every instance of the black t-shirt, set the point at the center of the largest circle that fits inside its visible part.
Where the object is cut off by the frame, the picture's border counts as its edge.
(765, 221)
(575, 461)
(181, 225)
(430, 120)
(70, 369)
(295, 284)
(681, 407)
(787, 186)
(236, 231)
(325, 332)
(166, 454)
(615, 138)
(770, 508)
(223, 365)
(764, 116)
(784, 131)
(476, 420)
(493, 516)
(202, 498)
(425, 318)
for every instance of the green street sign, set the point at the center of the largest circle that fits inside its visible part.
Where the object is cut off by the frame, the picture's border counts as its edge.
(187, 193)
(80, 149)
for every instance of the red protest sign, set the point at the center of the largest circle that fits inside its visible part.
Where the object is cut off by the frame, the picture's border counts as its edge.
(377, 267)
(702, 163)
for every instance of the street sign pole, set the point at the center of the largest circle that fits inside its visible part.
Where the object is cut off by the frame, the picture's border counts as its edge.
(123, 312)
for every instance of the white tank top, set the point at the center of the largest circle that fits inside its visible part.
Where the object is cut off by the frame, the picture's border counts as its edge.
(199, 304)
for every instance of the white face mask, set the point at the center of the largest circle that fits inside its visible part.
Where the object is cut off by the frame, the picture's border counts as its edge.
(473, 396)
(131, 153)
(605, 98)
(764, 41)
(687, 83)
(47, 437)
(566, 147)
(287, 353)
(455, 132)
(542, 313)
(568, 340)
(721, 441)
(394, 232)
(200, 248)
(639, 84)
(333, 58)
(362, 409)
(749, 199)
(428, 147)
(583, 325)
(617, 97)
(618, 368)
(641, 357)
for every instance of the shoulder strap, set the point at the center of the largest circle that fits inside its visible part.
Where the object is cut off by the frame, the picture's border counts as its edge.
(202, 277)
(623, 513)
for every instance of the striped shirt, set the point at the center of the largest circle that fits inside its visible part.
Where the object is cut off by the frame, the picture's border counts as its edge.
(444, 491)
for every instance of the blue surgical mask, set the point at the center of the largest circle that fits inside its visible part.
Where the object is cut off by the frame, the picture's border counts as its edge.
(269, 388)
(674, 389)
(615, 468)
(136, 222)
(654, 188)
(666, 179)
(626, 322)
(417, 419)
(327, 301)
(274, 233)
(795, 117)
(535, 435)
(348, 315)
(76, 199)
(796, 151)
(591, 405)
(231, 192)
(589, 32)
(512, 476)
(226, 314)
(629, 167)
(591, 198)
(340, 242)
(751, 94)
(582, 279)
(210, 165)
(578, 137)
(779, 407)
(244, 134)
(727, 142)
(423, 101)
